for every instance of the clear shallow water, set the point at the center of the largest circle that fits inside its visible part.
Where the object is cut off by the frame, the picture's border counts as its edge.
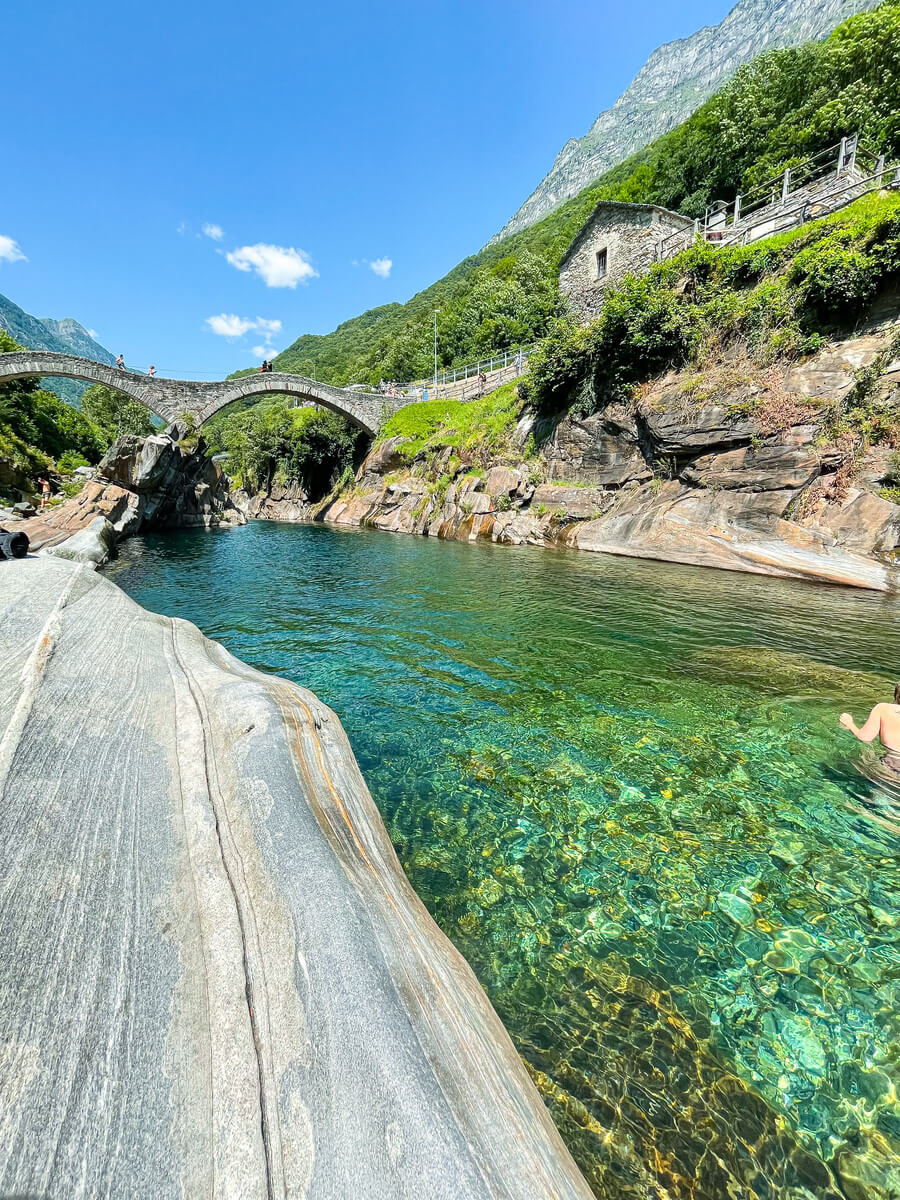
(620, 788)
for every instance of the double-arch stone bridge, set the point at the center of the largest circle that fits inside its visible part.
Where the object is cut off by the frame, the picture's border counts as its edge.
(173, 398)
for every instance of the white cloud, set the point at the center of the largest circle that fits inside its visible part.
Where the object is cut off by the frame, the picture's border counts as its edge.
(230, 325)
(278, 266)
(93, 333)
(182, 229)
(381, 267)
(216, 232)
(9, 250)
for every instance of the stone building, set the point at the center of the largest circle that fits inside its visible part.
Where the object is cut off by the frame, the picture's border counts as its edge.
(617, 239)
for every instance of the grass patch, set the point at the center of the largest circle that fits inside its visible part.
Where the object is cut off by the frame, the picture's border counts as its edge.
(480, 429)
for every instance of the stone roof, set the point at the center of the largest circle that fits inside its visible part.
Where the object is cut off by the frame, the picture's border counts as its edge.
(624, 205)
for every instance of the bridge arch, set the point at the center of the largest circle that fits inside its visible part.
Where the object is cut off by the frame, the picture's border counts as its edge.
(172, 398)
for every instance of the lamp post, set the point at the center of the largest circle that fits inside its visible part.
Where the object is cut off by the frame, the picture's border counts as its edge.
(435, 350)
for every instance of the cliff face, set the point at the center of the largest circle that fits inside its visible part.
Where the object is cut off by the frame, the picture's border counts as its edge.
(674, 81)
(725, 468)
(217, 980)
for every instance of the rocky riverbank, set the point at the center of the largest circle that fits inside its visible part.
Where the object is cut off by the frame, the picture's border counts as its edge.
(161, 482)
(733, 466)
(217, 979)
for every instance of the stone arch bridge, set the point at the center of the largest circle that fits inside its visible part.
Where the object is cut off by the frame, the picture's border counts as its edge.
(173, 398)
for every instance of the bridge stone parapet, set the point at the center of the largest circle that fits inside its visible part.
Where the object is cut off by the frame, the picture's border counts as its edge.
(174, 398)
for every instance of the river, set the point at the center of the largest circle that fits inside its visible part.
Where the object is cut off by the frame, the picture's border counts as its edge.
(621, 789)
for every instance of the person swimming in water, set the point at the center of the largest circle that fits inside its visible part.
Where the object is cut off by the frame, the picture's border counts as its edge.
(882, 722)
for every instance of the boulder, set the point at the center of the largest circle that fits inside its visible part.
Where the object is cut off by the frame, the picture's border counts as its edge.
(142, 483)
(502, 481)
(680, 429)
(385, 458)
(769, 467)
(94, 544)
(601, 450)
(24, 509)
(861, 522)
(580, 503)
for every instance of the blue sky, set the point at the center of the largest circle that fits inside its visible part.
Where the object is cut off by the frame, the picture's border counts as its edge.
(338, 156)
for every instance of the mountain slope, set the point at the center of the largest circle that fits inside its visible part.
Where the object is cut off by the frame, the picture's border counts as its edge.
(64, 337)
(674, 81)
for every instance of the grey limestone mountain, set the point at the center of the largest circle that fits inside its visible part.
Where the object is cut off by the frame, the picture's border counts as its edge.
(674, 81)
(64, 337)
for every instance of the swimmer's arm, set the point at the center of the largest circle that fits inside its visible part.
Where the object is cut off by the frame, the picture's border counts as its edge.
(870, 730)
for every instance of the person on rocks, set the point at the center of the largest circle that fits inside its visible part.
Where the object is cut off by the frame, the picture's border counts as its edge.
(44, 485)
(120, 362)
(151, 370)
(882, 722)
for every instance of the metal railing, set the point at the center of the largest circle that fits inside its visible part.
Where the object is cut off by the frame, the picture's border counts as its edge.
(498, 360)
(784, 201)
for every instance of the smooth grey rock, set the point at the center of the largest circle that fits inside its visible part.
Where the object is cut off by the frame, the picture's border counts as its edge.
(215, 979)
(93, 544)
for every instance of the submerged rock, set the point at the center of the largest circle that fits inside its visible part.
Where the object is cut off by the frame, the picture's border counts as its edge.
(216, 979)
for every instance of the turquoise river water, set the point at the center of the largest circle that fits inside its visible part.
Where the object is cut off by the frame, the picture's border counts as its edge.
(621, 789)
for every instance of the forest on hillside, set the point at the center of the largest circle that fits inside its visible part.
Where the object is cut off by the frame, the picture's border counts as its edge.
(779, 109)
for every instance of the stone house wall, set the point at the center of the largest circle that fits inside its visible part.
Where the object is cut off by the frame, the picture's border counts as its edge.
(630, 234)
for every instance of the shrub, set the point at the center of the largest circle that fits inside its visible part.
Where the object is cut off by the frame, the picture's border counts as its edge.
(70, 461)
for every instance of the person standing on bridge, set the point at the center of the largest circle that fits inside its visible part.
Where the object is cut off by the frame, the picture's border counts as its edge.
(520, 361)
(264, 367)
(482, 382)
(151, 370)
(120, 362)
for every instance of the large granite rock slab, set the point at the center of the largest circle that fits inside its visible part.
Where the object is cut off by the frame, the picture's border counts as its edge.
(215, 979)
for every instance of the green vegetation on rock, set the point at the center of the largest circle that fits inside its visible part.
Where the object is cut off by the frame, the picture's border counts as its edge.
(274, 442)
(476, 429)
(777, 298)
(37, 427)
(114, 414)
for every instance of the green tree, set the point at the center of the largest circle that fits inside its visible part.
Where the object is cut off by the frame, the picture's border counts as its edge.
(271, 440)
(41, 420)
(114, 413)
